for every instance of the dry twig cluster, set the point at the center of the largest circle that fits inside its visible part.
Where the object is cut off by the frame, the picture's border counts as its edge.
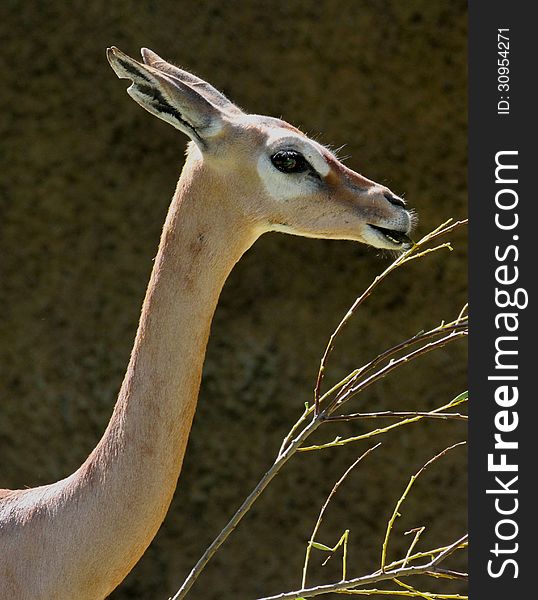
(329, 407)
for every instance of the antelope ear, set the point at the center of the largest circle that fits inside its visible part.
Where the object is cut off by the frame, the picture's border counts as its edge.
(169, 98)
(206, 89)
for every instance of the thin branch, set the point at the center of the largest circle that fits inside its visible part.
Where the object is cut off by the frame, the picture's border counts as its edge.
(338, 441)
(458, 325)
(295, 427)
(350, 584)
(448, 574)
(443, 229)
(351, 379)
(418, 532)
(393, 364)
(396, 512)
(446, 245)
(451, 549)
(324, 508)
(463, 311)
(425, 554)
(414, 593)
(398, 415)
(281, 460)
(311, 409)
(345, 319)
(405, 593)
(411, 589)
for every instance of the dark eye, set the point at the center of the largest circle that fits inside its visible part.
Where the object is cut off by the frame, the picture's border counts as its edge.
(289, 161)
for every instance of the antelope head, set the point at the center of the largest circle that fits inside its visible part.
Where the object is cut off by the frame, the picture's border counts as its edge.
(280, 179)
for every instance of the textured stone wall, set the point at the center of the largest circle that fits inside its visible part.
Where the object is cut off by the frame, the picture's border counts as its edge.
(85, 181)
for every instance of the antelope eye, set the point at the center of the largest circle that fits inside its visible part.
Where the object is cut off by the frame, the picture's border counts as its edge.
(289, 161)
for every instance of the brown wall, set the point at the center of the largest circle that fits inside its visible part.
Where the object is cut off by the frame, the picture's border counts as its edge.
(85, 180)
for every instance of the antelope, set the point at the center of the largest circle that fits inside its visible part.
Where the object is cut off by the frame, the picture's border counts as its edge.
(244, 175)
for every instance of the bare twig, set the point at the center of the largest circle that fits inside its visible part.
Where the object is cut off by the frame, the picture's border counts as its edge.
(450, 550)
(396, 511)
(411, 254)
(385, 414)
(414, 593)
(353, 389)
(322, 512)
(372, 578)
(281, 460)
(418, 531)
(296, 445)
(448, 574)
(425, 554)
(444, 229)
(398, 593)
(458, 325)
(338, 441)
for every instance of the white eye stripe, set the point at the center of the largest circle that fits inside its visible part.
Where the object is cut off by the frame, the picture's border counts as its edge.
(283, 186)
(318, 162)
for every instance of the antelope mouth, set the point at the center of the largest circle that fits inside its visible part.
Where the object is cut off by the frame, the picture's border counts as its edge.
(393, 236)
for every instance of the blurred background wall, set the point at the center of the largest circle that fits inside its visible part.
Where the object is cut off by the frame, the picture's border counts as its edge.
(85, 181)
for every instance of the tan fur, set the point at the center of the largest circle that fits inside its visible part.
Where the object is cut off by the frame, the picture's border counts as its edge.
(79, 537)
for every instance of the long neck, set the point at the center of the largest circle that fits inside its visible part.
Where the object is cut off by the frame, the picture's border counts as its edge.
(132, 473)
(201, 241)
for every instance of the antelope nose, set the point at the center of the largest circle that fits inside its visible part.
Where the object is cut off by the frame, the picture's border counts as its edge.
(395, 200)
